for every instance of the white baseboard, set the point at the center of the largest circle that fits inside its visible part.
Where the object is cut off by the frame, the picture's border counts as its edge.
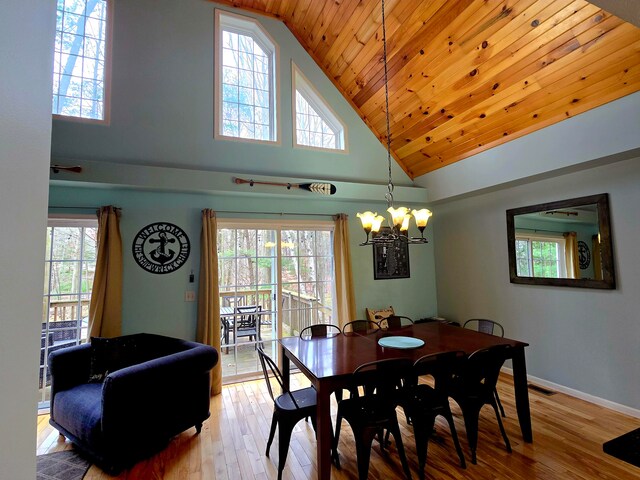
(633, 412)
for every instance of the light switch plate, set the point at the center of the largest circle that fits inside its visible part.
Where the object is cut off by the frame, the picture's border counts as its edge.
(189, 296)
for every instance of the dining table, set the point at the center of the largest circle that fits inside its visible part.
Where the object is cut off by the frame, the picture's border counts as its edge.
(329, 363)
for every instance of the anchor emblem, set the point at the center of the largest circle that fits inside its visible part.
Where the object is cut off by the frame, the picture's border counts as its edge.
(161, 254)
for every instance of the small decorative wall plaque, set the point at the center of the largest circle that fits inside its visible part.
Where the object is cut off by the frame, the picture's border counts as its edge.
(161, 247)
(584, 255)
(391, 261)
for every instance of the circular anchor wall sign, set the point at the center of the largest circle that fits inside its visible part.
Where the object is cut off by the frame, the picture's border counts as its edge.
(161, 247)
(584, 256)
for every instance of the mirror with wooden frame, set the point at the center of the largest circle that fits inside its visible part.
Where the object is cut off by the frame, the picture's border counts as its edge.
(565, 243)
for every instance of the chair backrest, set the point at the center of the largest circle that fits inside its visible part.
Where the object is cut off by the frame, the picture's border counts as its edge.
(441, 366)
(393, 322)
(232, 300)
(377, 315)
(361, 326)
(485, 326)
(382, 377)
(321, 330)
(268, 365)
(248, 316)
(481, 369)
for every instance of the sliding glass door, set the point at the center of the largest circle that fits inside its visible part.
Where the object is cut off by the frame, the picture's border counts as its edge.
(274, 280)
(70, 261)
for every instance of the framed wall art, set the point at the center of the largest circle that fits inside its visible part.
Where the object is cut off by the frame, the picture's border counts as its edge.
(391, 261)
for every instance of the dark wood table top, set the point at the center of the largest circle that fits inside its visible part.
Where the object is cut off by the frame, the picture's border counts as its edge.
(341, 355)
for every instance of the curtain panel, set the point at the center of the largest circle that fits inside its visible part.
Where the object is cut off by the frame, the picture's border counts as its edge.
(571, 254)
(105, 308)
(345, 299)
(208, 329)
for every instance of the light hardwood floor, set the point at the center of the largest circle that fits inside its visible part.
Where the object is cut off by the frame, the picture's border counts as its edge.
(568, 435)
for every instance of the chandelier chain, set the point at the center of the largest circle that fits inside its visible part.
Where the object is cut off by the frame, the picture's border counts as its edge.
(389, 195)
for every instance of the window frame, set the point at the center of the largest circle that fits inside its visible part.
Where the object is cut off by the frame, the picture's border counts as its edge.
(106, 102)
(249, 26)
(561, 259)
(322, 108)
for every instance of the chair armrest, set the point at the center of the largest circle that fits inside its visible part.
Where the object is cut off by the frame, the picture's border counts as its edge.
(69, 367)
(140, 392)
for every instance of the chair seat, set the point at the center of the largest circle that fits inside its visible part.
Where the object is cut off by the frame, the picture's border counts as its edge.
(305, 398)
(422, 396)
(79, 409)
(372, 409)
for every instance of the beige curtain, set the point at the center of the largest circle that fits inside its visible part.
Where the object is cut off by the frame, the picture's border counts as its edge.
(571, 254)
(208, 331)
(596, 256)
(105, 309)
(345, 299)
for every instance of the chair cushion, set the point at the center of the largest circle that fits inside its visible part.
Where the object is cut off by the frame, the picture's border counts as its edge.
(377, 315)
(111, 354)
(79, 409)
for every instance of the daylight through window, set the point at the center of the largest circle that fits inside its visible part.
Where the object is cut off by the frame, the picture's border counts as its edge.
(79, 66)
(315, 124)
(246, 79)
(540, 257)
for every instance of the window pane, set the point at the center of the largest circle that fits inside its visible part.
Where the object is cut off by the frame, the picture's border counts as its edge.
(311, 128)
(80, 40)
(246, 82)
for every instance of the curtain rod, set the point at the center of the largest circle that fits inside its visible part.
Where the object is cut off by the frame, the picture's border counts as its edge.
(538, 230)
(278, 213)
(79, 208)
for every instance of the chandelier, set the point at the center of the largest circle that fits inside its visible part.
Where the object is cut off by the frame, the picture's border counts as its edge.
(400, 216)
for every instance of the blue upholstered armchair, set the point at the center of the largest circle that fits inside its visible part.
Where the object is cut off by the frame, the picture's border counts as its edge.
(121, 400)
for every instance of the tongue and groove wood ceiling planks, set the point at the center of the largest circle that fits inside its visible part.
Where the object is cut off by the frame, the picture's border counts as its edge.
(464, 75)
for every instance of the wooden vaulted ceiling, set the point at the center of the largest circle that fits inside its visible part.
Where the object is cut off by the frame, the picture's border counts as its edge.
(464, 75)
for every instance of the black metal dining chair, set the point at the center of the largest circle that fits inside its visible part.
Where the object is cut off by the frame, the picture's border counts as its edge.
(374, 411)
(361, 326)
(394, 322)
(288, 409)
(473, 386)
(321, 330)
(248, 322)
(423, 403)
(490, 327)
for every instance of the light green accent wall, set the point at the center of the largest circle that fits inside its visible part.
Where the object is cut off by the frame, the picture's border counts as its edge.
(162, 103)
(159, 161)
(155, 303)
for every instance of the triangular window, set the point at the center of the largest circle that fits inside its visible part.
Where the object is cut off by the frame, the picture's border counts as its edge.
(316, 125)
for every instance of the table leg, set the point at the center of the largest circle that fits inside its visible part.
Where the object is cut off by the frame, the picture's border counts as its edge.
(324, 434)
(522, 394)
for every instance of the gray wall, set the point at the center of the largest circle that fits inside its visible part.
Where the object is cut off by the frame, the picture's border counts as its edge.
(583, 339)
(26, 59)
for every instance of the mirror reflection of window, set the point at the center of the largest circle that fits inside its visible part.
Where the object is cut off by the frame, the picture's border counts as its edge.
(542, 257)
(547, 243)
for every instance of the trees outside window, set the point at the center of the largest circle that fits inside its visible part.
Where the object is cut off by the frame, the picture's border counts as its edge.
(540, 257)
(245, 79)
(80, 67)
(285, 270)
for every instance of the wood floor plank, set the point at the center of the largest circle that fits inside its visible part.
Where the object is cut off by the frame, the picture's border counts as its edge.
(568, 435)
